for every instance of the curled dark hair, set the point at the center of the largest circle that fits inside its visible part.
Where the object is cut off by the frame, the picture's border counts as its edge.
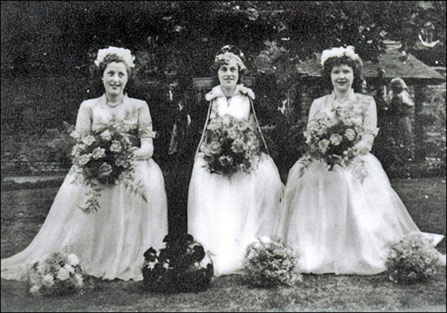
(344, 60)
(113, 58)
(214, 68)
(96, 73)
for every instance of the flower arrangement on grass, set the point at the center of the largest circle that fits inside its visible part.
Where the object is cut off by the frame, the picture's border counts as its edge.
(230, 145)
(332, 138)
(105, 157)
(56, 274)
(412, 259)
(270, 263)
(182, 266)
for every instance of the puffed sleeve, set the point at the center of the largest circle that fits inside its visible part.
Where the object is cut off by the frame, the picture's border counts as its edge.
(84, 119)
(145, 121)
(370, 116)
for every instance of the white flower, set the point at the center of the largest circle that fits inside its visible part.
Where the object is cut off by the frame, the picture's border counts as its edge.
(63, 274)
(75, 134)
(323, 145)
(69, 268)
(73, 259)
(151, 265)
(42, 267)
(83, 159)
(98, 153)
(166, 264)
(34, 290)
(123, 53)
(47, 280)
(116, 146)
(335, 139)
(339, 52)
(88, 140)
(106, 135)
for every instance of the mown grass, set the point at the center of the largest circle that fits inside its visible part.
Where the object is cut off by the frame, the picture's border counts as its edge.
(23, 211)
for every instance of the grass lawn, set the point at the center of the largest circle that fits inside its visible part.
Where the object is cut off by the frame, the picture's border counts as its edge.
(23, 211)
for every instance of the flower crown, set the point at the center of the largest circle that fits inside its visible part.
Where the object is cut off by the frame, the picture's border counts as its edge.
(224, 58)
(338, 53)
(125, 54)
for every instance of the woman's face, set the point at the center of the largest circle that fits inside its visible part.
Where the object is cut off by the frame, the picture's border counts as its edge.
(228, 74)
(342, 77)
(115, 78)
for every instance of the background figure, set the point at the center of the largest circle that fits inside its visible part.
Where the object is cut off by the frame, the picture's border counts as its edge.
(227, 213)
(341, 220)
(111, 241)
(400, 111)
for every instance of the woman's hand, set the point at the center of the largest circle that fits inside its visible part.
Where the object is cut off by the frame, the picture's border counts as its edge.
(146, 151)
(364, 146)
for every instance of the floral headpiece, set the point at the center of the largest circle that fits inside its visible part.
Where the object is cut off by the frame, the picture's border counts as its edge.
(338, 53)
(229, 52)
(125, 54)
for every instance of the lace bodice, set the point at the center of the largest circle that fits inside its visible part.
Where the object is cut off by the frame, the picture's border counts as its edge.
(363, 108)
(94, 113)
(237, 106)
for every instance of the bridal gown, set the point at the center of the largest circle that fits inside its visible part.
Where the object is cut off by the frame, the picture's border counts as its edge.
(110, 242)
(336, 221)
(226, 214)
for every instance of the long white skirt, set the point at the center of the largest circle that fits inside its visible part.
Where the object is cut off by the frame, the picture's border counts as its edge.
(336, 224)
(109, 243)
(227, 214)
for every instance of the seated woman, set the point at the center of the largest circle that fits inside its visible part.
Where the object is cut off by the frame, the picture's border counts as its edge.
(227, 213)
(111, 241)
(340, 220)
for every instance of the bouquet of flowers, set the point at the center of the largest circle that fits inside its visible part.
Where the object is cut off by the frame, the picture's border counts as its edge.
(183, 266)
(270, 263)
(56, 274)
(105, 158)
(411, 259)
(332, 138)
(230, 146)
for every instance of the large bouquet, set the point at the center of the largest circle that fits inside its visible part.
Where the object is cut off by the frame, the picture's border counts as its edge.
(56, 274)
(412, 259)
(105, 158)
(270, 263)
(332, 138)
(180, 267)
(230, 146)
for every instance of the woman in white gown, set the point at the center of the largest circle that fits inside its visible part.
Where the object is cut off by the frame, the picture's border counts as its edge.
(226, 214)
(335, 222)
(110, 242)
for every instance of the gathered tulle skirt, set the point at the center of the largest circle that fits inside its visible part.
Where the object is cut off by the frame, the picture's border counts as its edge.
(340, 221)
(226, 214)
(110, 242)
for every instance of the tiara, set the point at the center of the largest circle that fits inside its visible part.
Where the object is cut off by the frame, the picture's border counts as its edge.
(232, 49)
(125, 54)
(338, 53)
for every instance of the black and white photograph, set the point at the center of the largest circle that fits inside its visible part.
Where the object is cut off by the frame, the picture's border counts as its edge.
(223, 156)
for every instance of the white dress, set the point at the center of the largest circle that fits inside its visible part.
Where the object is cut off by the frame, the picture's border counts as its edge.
(226, 214)
(109, 243)
(333, 221)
